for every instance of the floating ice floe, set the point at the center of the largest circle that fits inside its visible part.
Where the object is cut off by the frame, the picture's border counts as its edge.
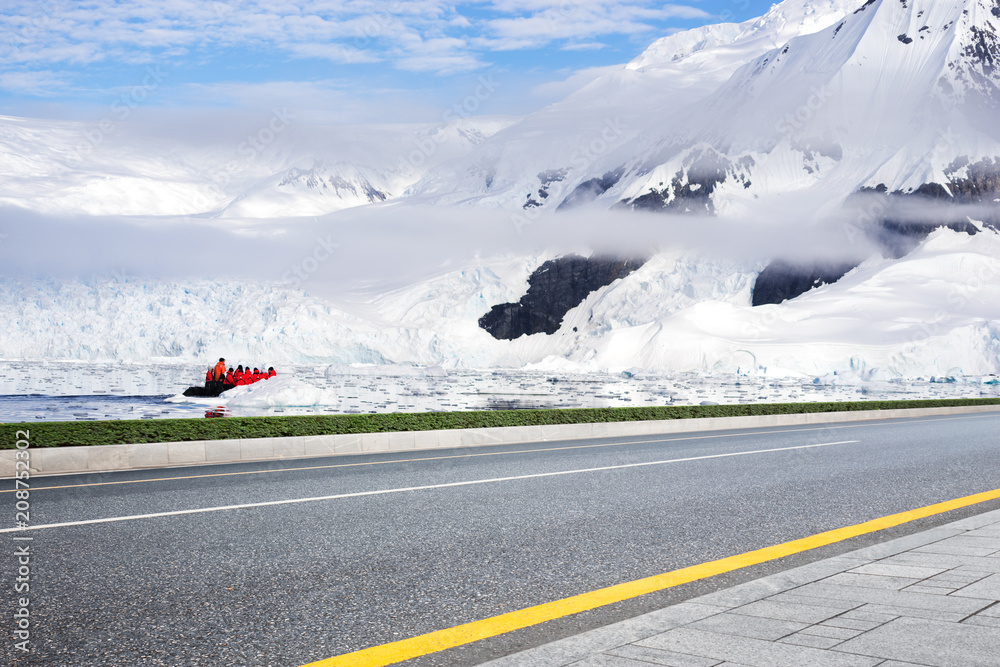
(276, 392)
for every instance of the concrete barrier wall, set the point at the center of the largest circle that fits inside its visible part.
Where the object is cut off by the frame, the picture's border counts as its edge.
(64, 460)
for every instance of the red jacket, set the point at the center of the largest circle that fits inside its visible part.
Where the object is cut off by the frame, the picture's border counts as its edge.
(208, 376)
(271, 373)
(229, 378)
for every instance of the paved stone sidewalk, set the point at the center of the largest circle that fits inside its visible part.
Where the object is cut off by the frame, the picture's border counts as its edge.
(927, 599)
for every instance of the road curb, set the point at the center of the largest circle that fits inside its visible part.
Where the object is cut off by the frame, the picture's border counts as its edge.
(781, 591)
(105, 458)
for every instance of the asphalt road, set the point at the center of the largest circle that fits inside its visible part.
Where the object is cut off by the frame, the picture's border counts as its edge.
(290, 583)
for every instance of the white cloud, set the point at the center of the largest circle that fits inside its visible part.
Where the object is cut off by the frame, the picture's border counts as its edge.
(583, 46)
(415, 35)
(315, 102)
(554, 90)
(39, 83)
(541, 21)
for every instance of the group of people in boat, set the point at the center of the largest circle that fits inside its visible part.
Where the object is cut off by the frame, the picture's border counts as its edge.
(219, 377)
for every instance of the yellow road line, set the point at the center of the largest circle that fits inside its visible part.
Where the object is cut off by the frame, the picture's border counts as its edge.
(406, 649)
(463, 456)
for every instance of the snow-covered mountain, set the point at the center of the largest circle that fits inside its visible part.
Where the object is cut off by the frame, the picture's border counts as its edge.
(271, 169)
(824, 96)
(934, 312)
(894, 96)
(820, 113)
(539, 160)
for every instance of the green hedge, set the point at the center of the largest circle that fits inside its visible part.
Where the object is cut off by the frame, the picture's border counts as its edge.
(60, 434)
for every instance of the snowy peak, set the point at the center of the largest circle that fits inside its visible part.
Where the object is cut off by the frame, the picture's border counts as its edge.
(889, 95)
(880, 92)
(377, 171)
(781, 23)
(684, 44)
(885, 74)
(313, 190)
(74, 167)
(590, 137)
(975, 62)
(917, 39)
(794, 18)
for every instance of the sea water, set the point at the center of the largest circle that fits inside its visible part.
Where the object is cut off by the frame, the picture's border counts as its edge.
(66, 391)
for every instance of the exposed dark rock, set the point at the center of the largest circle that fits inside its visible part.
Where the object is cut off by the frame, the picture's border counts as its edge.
(898, 238)
(979, 70)
(811, 149)
(553, 289)
(545, 178)
(983, 49)
(782, 281)
(373, 194)
(588, 191)
(690, 190)
(894, 231)
(314, 180)
(978, 187)
(981, 185)
(905, 39)
(654, 200)
(865, 6)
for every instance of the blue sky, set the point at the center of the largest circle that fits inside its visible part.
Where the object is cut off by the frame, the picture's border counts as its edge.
(337, 61)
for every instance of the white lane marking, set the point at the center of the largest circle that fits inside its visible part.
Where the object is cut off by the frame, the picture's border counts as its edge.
(359, 494)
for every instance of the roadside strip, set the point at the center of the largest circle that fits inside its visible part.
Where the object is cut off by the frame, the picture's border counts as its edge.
(106, 458)
(466, 455)
(359, 494)
(433, 642)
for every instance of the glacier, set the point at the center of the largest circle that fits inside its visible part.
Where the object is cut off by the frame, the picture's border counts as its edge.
(933, 312)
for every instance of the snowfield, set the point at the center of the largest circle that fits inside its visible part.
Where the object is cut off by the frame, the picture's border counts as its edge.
(933, 312)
